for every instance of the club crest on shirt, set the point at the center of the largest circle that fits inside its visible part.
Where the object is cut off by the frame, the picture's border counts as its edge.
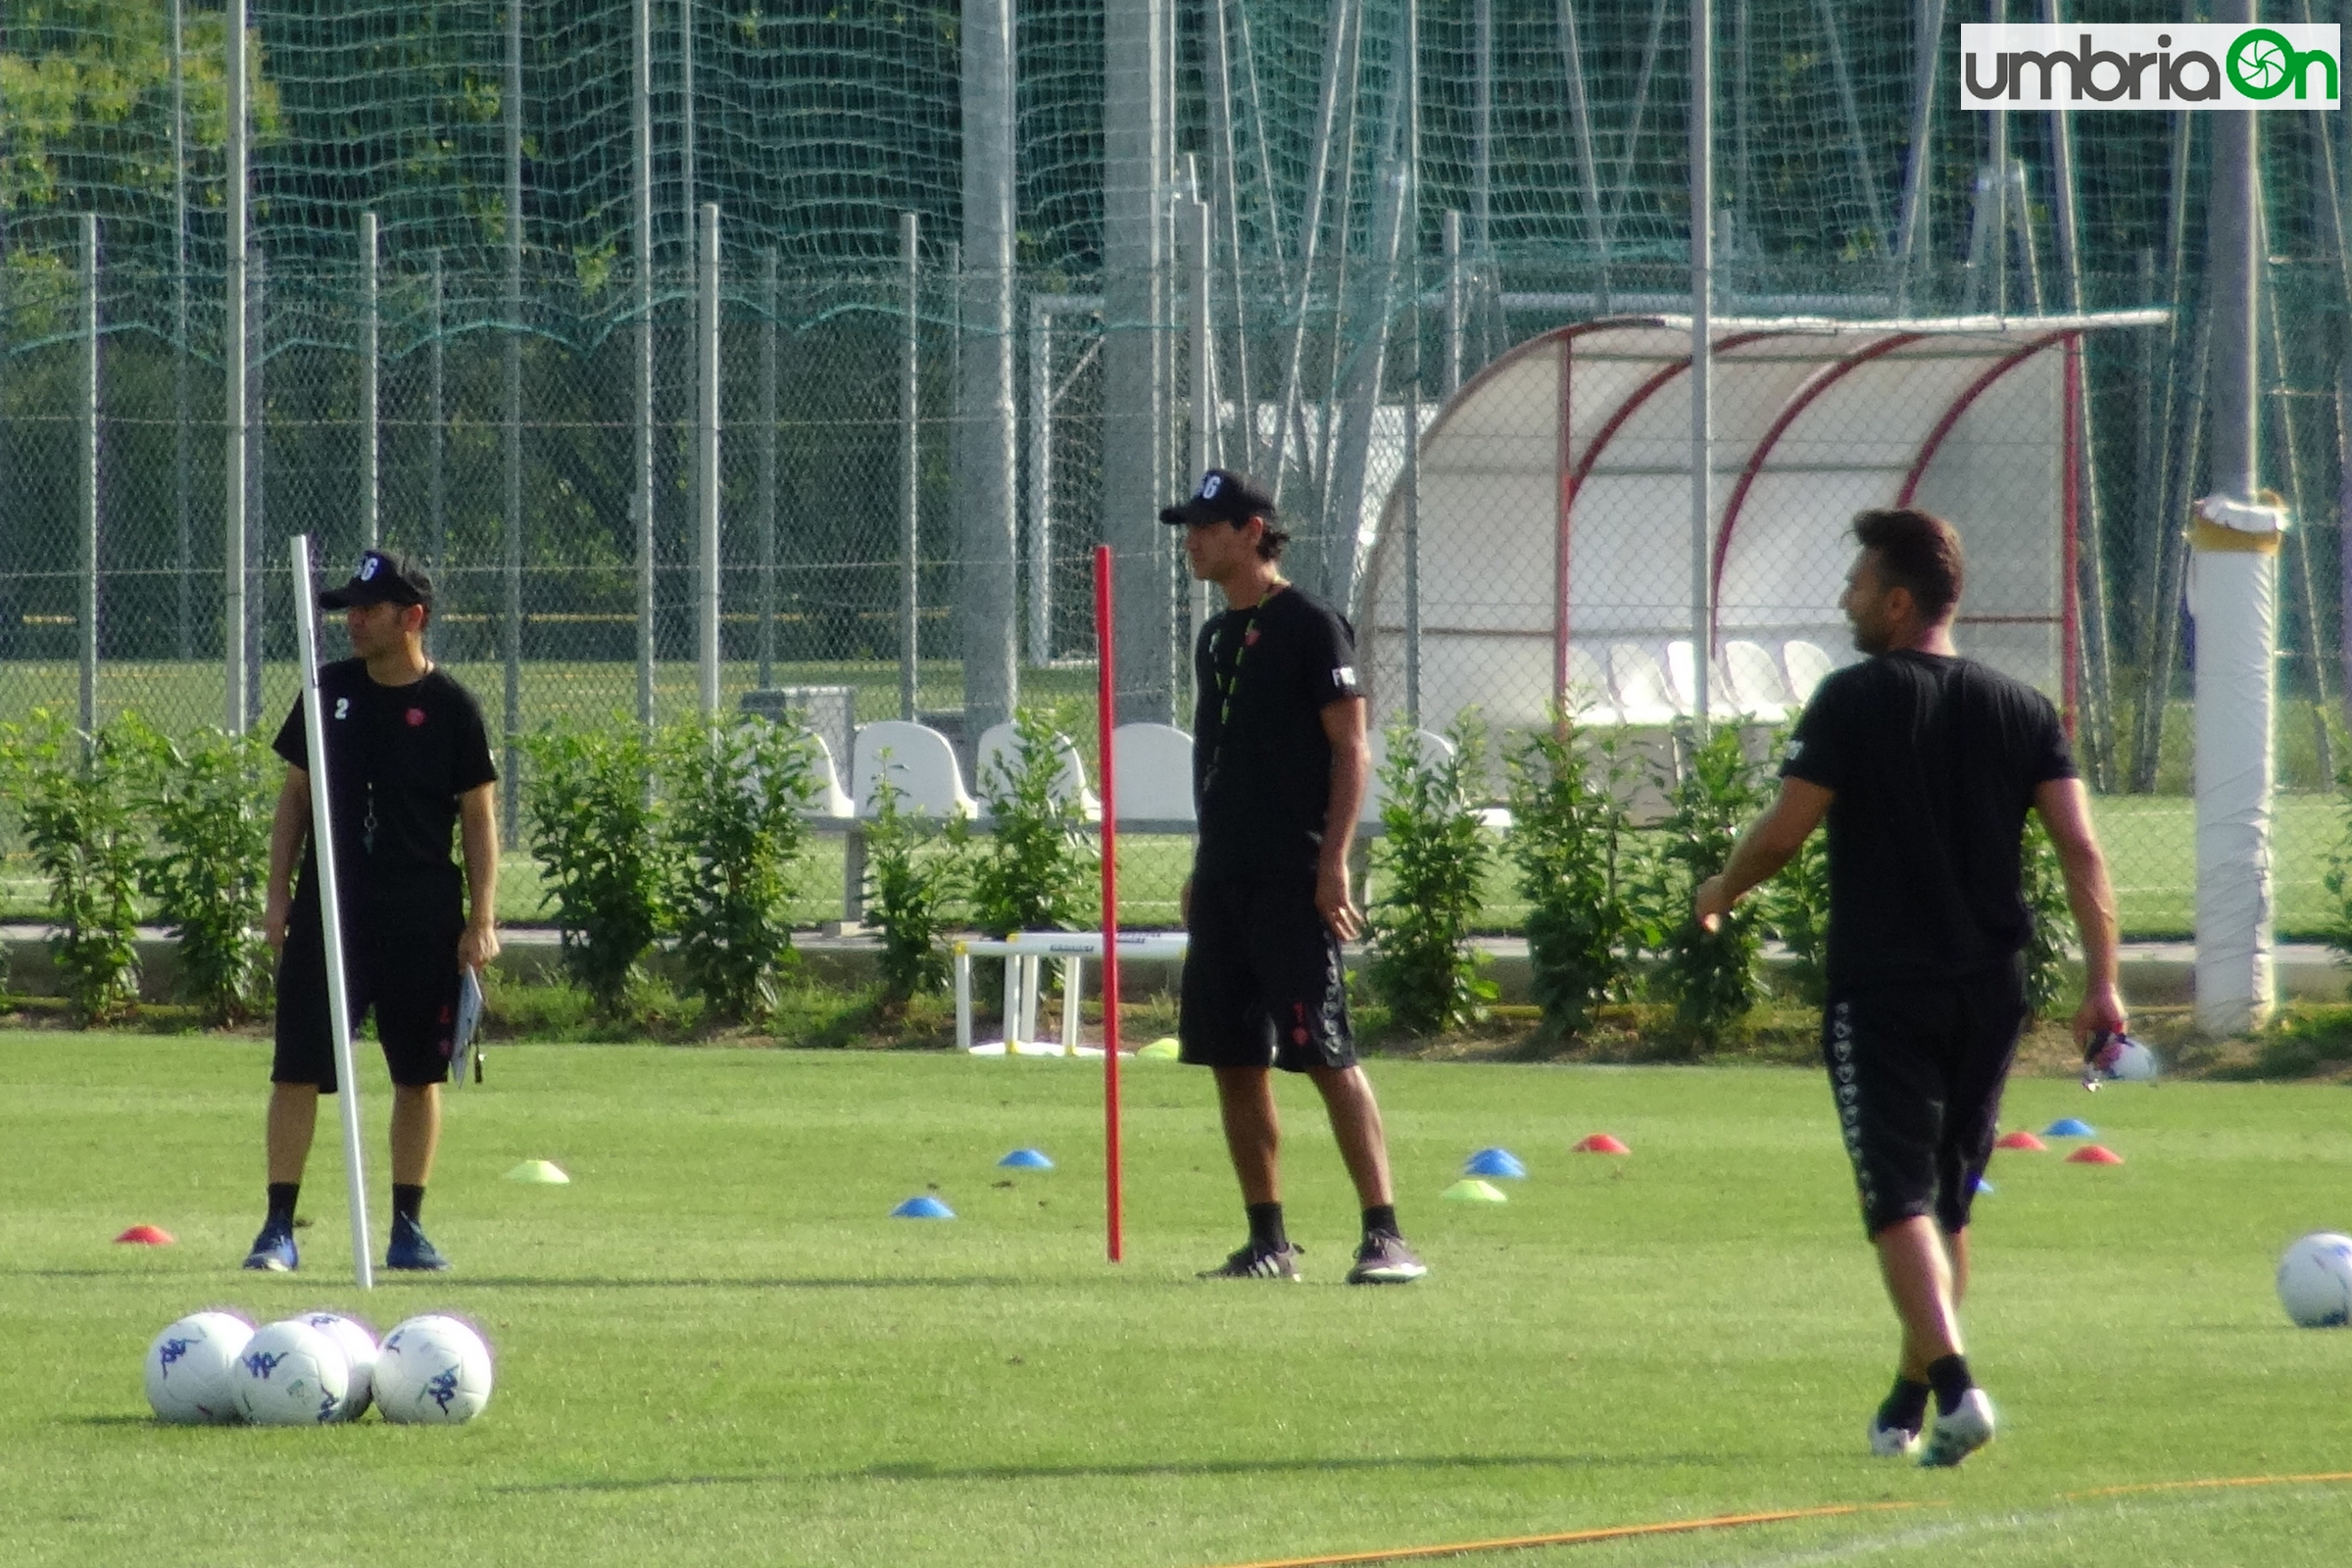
(416, 718)
(1344, 677)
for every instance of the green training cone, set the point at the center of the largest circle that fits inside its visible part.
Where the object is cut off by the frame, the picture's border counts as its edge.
(1471, 1191)
(542, 1171)
(1161, 1050)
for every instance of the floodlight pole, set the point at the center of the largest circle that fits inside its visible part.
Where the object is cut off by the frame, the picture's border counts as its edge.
(330, 911)
(1702, 353)
(2236, 587)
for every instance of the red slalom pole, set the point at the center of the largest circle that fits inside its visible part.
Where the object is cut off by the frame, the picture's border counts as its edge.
(1106, 718)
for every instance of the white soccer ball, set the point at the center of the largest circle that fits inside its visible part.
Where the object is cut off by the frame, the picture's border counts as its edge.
(2136, 1064)
(2315, 1281)
(292, 1375)
(359, 1349)
(432, 1370)
(190, 1365)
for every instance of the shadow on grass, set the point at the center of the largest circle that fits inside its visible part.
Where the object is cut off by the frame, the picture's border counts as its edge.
(919, 1471)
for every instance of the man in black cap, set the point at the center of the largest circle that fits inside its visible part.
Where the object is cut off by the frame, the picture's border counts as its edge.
(407, 764)
(1279, 768)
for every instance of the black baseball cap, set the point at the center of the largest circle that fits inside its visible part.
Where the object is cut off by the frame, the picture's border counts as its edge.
(1222, 496)
(384, 578)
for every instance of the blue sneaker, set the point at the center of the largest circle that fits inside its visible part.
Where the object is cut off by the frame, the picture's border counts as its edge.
(410, 1250)
(274, 1249)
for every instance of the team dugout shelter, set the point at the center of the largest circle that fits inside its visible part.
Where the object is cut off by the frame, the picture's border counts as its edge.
(1554, 521)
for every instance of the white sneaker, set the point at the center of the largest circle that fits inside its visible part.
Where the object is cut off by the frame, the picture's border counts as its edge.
(1952, 1438)
(1891, 1442)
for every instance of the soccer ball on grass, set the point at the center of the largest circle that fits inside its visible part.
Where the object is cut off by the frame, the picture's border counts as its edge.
(190, 1366)
(432, 1370)
(292, 1375)
(2315, 1281)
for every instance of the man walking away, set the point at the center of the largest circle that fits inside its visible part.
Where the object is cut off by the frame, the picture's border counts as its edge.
(1924, 764)
(407, 764)
(1279, 767)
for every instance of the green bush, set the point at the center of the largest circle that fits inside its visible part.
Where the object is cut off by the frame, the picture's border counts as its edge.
(732, 841)
(1036, 869)
(1713, 977)
(2048, 983)
(210, 797)
(2336, 877)
(592, 826)
(913, 877)
(74, 796)
(1432, 858)
(1796, 906)
(1570, 841)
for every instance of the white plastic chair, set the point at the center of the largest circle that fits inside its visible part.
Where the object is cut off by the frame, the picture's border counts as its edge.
(828, 801)
(1756, 680)
(1000, 752)
(1807, 664)
(1681, 672)
(1589, 690)
(1152, 772)
(1436, 749)
(921, 763)
(1644, 698)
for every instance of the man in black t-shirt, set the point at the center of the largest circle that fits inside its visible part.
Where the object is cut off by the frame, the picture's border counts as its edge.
(1924, 764)
(1279, 768)
(408, 765)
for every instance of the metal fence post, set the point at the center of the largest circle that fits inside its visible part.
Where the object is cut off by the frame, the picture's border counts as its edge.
(641, 498)
(768, 476)
(1702, 353)
(88, 616)
(1041, 483)
(370, 386)
(706, 474)
(1455, 301)
(232, 375)
(909, 461)
(437, 434)
(512, 797)
(180, 332)
(986, 441)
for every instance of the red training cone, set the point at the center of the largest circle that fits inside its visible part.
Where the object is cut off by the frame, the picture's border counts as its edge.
(2094, 1155)
(146, 1236)
(2021, 1140)
(1602, 1144)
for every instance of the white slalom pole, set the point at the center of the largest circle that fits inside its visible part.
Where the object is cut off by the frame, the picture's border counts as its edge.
(330, 911)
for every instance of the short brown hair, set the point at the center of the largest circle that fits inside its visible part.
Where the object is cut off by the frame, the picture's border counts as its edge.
(1916, 551)
(1270, 543)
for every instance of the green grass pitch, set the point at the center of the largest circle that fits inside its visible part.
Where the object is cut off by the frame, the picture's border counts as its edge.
(715, 1348)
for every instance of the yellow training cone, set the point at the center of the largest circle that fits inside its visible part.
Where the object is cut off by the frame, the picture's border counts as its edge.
(545, 1172)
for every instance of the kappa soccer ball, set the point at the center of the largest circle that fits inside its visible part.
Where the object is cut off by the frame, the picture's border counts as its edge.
(432, 1370)
(2135, 1063)
(292, 1375)
(189, 1368)
(2315, 1281)
(359, 1351)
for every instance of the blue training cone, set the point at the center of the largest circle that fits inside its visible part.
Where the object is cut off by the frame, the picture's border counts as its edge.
(1983, 1187)
(924, 1206)
(1494, 1162)
(2070, 1127)
(1027, 1159)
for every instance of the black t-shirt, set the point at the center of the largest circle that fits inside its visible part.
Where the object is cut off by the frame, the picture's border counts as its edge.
(1261, 763)
(396, 760)
(1934, 763)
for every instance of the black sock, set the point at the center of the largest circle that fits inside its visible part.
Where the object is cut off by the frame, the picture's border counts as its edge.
(281, 1202)
(1905, 1407)
(1381, 1217)
(407, 1201)
(1950, 1380)
(1266, 1226)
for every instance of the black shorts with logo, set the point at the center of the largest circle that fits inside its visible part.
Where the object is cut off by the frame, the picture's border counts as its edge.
(1918, 1073)
(1263, 985)
(402, 960)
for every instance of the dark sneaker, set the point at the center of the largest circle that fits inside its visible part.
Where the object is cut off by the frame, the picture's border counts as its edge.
(1385, 1259)
(273, 1250)
(410, 1249)
(1255, 1262)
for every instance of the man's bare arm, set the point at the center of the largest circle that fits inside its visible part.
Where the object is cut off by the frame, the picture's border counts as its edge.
(2064, 806)
(477, 830)
(1770, 843)
(290, 831)
(1351, 775)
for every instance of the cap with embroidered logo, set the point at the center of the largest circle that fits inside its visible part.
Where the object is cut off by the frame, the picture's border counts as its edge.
(384, 578)
(1222, 496)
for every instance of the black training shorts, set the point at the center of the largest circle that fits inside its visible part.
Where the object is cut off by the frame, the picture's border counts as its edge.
(401, 959)
(1918, 1073)
(1263, 980)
